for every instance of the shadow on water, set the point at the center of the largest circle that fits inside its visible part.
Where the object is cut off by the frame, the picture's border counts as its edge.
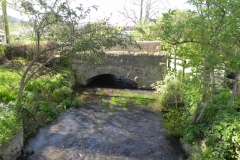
(92, 132)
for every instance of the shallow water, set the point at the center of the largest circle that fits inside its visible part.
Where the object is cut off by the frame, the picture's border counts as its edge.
(93, 132)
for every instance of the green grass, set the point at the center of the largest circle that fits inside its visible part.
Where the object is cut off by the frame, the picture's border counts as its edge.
(126, 99)
(9, 121)
(9, 125)
(44, 97)
(9, 80)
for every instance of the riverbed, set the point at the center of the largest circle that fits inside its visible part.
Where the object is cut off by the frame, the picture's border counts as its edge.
(96, 131)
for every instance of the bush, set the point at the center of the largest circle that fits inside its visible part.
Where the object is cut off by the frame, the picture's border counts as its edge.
(13, 51)
(8, 85)
(41, 100)
(36, 114)
(171, 102)
(61, 94)
(52, 88)
(66, 103)
(219, 128)
(76, 102)
(171, 92)
(221, 137)
(224, 135)
(2, 54)
(10, 124)
(172, 121)
(48, 110)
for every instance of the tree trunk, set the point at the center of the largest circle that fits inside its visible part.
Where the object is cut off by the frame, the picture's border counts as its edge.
(212, 76)
(183, 68)
(238, 84)
(141, 11)
(234, 92)
(198, 109)
(205, 98)
(169, 55)
(26, 78)
(175, 57)
(236, 89)
(5, 21)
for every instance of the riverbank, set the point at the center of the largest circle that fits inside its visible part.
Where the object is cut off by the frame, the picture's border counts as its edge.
(105, 128)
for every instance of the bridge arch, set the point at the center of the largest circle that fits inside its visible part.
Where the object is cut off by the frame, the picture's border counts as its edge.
(142, 69)
(87, 77)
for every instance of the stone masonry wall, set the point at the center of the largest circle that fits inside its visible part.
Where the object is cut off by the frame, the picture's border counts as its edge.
(13, 149)
(147, 46)
(142, 68)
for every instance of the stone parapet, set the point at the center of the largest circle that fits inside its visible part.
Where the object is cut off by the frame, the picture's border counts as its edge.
(146, 46)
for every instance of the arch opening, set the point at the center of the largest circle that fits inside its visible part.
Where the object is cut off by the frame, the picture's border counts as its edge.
(111, 81)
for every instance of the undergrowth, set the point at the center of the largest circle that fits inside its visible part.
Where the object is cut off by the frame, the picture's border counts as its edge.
(9, 80)
(43, 99)
(10, 123)
(217, 135)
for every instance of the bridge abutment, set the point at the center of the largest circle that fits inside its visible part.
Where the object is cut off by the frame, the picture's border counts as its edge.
(143, 69)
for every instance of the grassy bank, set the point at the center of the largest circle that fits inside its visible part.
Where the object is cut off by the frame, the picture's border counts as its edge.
(44, 97)
(9, 80)
(217, 134)
(9, 121)
(119, 97)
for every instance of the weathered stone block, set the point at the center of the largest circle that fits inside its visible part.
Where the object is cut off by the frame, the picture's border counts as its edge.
(148, 68)
(12, 150)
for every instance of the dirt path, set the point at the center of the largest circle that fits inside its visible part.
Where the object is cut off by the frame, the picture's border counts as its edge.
(93, 132)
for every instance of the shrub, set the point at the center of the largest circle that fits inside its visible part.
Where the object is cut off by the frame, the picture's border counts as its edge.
(52, 88)
(221, 138)
(224, 136)
(48, 110)
(171, 101)
(41, 99)
(39, 104)
(171, 92)
(47, 55)
(172, 121)
(76, 102)
(66, 103)
(219, 129)
(8, 85)
(13, 51)
(64, 62)
(10, 124)
(61, 94)
(2, 53)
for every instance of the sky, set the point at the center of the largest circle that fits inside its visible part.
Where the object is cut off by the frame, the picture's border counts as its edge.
(110, 9)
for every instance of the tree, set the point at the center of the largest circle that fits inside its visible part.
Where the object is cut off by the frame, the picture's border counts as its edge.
(65, 25)
(140, 11)
(211, 33)
(5, 20)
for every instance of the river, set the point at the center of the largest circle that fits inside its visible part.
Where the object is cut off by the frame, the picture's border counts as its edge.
(96, 131)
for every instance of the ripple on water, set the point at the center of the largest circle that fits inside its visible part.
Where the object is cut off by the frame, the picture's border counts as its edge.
(92, 132)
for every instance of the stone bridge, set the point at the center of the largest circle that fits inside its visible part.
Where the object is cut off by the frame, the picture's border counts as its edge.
(144, 68)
